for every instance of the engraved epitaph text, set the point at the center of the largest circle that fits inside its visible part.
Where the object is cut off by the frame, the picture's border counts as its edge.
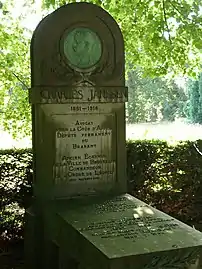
(84, 150)
(131, 221)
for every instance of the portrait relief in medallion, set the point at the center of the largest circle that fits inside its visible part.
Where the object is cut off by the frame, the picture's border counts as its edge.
(82, 48)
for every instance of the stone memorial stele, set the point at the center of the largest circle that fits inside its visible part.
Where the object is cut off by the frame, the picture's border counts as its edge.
(81, 215)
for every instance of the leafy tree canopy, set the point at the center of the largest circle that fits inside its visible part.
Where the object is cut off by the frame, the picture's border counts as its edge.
(160, 37)
(193, 107)
(14, 73)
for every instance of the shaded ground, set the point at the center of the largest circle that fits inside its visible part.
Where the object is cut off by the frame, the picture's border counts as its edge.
(12, 256)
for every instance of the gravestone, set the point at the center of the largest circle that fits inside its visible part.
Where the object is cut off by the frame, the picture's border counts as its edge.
(78, 95)
(81, 215)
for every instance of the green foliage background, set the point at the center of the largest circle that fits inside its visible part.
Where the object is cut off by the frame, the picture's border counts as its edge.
(154, 99)
(161, 37)
(167, 177)
(15, 190)
(193, 107)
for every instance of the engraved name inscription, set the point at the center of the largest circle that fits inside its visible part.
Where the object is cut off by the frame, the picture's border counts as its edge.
(62, 95)
(84, 149)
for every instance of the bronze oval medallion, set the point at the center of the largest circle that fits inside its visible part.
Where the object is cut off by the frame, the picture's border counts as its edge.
(82, 48)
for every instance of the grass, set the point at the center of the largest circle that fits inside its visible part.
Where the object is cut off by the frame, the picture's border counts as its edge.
(168, 131)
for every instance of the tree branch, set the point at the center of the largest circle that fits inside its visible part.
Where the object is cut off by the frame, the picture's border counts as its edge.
(197, 149)
(176, 8)
(165, 20)
(19, 79)
(179, 12)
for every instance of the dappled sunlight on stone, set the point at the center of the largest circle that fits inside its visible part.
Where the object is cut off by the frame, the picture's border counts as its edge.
(169, 231)
(136, 216)
(142, 211)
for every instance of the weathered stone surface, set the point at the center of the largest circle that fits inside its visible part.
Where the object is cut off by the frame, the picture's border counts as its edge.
(78, 97)
(129, 230)
(85, 152)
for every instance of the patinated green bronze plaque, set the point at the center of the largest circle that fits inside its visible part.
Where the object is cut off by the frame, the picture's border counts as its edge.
(82, 48)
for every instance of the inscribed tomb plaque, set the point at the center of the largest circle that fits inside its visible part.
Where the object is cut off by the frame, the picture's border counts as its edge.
(125, 226)
(85, 151)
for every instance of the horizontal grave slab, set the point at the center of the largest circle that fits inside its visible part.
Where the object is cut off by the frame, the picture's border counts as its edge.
(127, 230)
(63, 95)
